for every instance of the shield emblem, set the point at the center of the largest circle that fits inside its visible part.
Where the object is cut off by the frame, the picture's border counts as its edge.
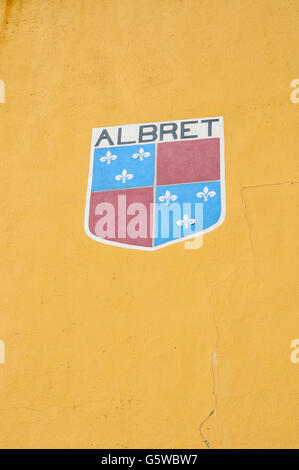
(154, 184)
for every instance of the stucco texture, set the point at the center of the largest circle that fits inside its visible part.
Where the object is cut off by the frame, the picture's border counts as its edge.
(114, 348)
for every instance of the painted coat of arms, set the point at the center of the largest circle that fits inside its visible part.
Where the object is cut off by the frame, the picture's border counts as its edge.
(154, 184)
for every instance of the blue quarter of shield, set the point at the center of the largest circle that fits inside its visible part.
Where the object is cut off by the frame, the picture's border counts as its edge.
(185, 209)
(123, 167)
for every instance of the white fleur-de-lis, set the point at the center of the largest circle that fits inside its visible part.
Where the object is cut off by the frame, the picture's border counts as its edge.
(168, 197)
(206, 193)
(108, 157)
(141, 155)
(124, 176)
(185, 221)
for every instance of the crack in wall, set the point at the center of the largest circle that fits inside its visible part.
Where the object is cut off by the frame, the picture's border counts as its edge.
(214, 361)
(249, 229)
(213, 367)
(268, 184)
(244, 188)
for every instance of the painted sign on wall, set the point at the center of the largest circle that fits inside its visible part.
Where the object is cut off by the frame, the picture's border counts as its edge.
(154, 184)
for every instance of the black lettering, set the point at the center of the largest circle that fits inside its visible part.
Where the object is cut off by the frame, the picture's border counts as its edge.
(104, 135)
(185, 130)
(152, 133)
(172, 131)
(210, 124)
(119, 141)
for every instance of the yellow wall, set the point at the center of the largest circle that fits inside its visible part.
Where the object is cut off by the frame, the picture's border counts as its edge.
(115, 348)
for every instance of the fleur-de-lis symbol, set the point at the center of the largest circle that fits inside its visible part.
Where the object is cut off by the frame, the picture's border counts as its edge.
(186, 221)
(168, 197)
(108, 157)
(206, 193)
(141, 155)
(124, 176)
